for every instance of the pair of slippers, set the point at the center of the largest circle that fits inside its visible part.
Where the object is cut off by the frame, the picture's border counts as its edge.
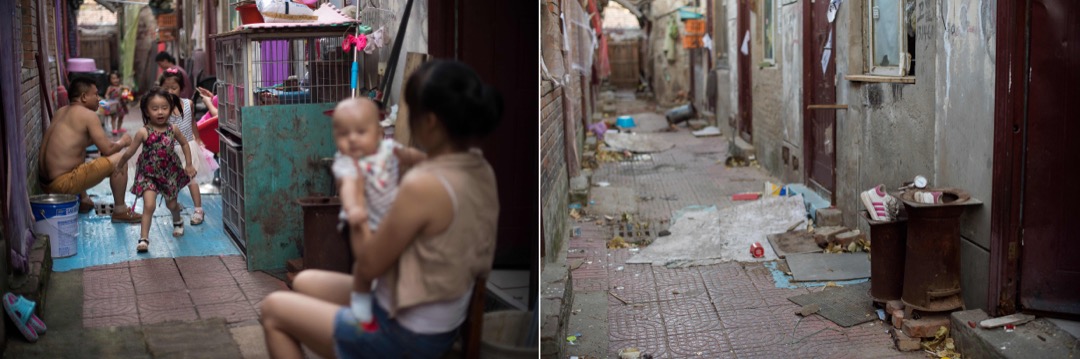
(21, 311)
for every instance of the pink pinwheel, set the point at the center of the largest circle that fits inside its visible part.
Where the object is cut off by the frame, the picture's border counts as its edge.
(359, 41)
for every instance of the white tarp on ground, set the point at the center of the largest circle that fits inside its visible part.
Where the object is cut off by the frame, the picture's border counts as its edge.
(705, 237)
(637, 142)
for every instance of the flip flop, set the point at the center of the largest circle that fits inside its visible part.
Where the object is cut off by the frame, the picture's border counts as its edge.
(20, 310)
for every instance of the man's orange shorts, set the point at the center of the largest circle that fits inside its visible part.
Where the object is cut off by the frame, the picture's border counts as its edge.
(81, 178)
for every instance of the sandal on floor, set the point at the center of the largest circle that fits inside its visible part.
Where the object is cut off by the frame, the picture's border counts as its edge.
(197, 217)
(178, 228)
(143, 246)
(20, 309)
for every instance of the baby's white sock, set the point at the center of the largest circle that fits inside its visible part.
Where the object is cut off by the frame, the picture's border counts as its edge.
(361, 306)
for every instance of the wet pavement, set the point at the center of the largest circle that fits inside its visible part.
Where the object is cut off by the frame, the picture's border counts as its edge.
(727, 310)
(193, 298)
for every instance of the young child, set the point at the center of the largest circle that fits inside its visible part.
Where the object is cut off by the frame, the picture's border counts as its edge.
(119, 96)
(362, 150)
(184, 118)
(159, 169)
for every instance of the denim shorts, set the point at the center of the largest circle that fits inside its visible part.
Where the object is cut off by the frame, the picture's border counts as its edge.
(391, 340)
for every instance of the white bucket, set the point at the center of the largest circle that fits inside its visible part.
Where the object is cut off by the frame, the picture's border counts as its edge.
(57, 215)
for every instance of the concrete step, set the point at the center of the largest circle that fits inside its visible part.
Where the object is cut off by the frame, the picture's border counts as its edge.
(740, 148)
(556, 301)
(1038, 339)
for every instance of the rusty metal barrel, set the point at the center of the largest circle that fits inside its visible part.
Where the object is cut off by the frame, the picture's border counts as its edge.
(888, 240)
(932, 258)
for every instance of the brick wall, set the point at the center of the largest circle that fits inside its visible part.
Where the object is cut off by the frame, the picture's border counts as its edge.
(554, 183)
(30, 91)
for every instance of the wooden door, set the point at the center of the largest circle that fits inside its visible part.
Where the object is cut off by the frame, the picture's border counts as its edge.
(1049, 271)
(819, 71)
(625, 67)
(745, 118)
(491, 37)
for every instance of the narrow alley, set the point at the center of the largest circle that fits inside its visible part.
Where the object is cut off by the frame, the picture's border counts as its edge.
(723, 310)
(799, 178)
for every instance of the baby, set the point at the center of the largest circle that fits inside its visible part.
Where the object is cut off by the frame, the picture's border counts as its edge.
(362, 149)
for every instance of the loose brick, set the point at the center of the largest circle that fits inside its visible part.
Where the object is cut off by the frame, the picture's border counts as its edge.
(905, 343)
(846, 238)
(894, 305)
(829, 217)
(824, 235)
(898, 319)
(926, 326)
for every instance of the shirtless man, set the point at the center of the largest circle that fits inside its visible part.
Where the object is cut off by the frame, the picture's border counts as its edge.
(62, 166)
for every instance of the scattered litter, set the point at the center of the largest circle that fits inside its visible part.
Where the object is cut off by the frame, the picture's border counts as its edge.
(576, 232)
(575, 311)
(971, 324)
(737, 161)
(638, 143)
(603, 184)
(575, 213)
(618, 242)
(1013, 319)
(619, 268)
(664, 233)
(788, 243)
(756, 250)
(748, 196)
(942, 346)
(708, 132)
(630, 353)
(624, 302)
(808, 310)
(572, 340)
(708, 235)
(881, 314)
(575, 206)
(1009, 328)
(635, 249)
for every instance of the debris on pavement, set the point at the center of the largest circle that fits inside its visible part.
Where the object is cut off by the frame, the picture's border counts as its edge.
(847, 306)
(706, 235)
(747, 196)
(618, 242)
(630, 353)
(1014, 319)
(808, 310)
(709, 131)
(794, 242)
(942, 346)
(638, 143)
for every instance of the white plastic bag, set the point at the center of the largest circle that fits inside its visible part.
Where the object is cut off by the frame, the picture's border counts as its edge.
(285, 11)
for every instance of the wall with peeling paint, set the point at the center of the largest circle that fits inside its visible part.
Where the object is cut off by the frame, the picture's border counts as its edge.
(669, 78)
(767, 91)
(966, 33)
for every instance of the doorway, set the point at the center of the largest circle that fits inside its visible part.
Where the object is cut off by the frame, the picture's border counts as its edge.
(819, 72)
(1032, 246)
(745, 119)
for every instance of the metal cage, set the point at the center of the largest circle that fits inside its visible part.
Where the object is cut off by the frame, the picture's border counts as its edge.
(281, 66)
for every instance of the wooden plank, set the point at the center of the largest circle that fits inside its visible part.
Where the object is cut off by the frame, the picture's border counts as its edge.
(876, 78)
(402, 135)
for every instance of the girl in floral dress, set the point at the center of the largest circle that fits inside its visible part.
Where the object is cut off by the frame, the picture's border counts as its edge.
(159, 168)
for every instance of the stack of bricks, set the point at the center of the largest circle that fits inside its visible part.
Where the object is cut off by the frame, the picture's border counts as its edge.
(907, 332)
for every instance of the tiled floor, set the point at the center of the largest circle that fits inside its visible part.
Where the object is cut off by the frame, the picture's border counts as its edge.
(185, 288)
(728, 310)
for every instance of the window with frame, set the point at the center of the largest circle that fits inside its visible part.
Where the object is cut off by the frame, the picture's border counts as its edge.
(768, 31)
(891, 32)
